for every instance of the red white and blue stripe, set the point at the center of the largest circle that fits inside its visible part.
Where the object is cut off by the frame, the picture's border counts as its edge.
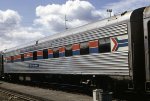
(119, 43)
(8, 59)
(76, 49)
(39, 54)
(28, 56)
(50, 53)
(17, 58)
(93, 46)
(61, 51)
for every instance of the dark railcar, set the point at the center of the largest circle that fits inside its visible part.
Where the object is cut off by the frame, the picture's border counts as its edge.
(1, 65)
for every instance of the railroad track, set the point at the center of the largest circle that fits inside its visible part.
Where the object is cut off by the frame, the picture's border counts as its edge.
(127, 96)
(21, 96)
(34, 93)
(77, 89)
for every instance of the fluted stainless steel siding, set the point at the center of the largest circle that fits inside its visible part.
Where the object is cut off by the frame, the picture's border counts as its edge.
(91, 35)
(115, 63)
(97, 33)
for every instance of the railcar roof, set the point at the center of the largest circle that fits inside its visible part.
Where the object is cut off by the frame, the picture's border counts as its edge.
(124, 17)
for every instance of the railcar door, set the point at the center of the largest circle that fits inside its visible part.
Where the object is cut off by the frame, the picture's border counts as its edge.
(146, 23)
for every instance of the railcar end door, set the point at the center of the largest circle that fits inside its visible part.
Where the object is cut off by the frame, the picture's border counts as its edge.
(147, 47)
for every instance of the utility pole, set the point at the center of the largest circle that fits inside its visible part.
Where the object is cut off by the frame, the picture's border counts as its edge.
(109, 11)
(66, 22)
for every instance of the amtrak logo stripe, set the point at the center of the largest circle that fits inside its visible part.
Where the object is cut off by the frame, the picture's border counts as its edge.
(115, 44)
(119, 43)
(122, 41)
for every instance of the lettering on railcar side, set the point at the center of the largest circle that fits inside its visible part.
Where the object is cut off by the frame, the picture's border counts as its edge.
(33, 65)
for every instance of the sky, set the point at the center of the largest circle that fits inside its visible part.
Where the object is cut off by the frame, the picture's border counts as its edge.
(22, 21)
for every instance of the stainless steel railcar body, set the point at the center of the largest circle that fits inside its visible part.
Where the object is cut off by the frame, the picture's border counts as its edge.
(111, 63)
(125, 59)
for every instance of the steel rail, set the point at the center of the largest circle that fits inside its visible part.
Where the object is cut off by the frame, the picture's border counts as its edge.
(26, 97)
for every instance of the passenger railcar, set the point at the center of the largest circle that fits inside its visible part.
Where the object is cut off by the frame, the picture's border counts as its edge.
(111, 53)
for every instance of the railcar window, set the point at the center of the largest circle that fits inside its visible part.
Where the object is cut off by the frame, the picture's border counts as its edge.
(35, 55)
(84, 48)
(103, 48)
(104, 45)
(45, 54)
(68, 51)
(12, 59)
(22, 57)
(56, 52)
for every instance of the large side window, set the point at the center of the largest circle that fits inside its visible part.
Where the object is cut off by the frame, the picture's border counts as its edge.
(34, 55)
(45, 54)
(104, 45)
(22, 57)
(12, 59)
(84, 48)
(68, 51)
(56, 52)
